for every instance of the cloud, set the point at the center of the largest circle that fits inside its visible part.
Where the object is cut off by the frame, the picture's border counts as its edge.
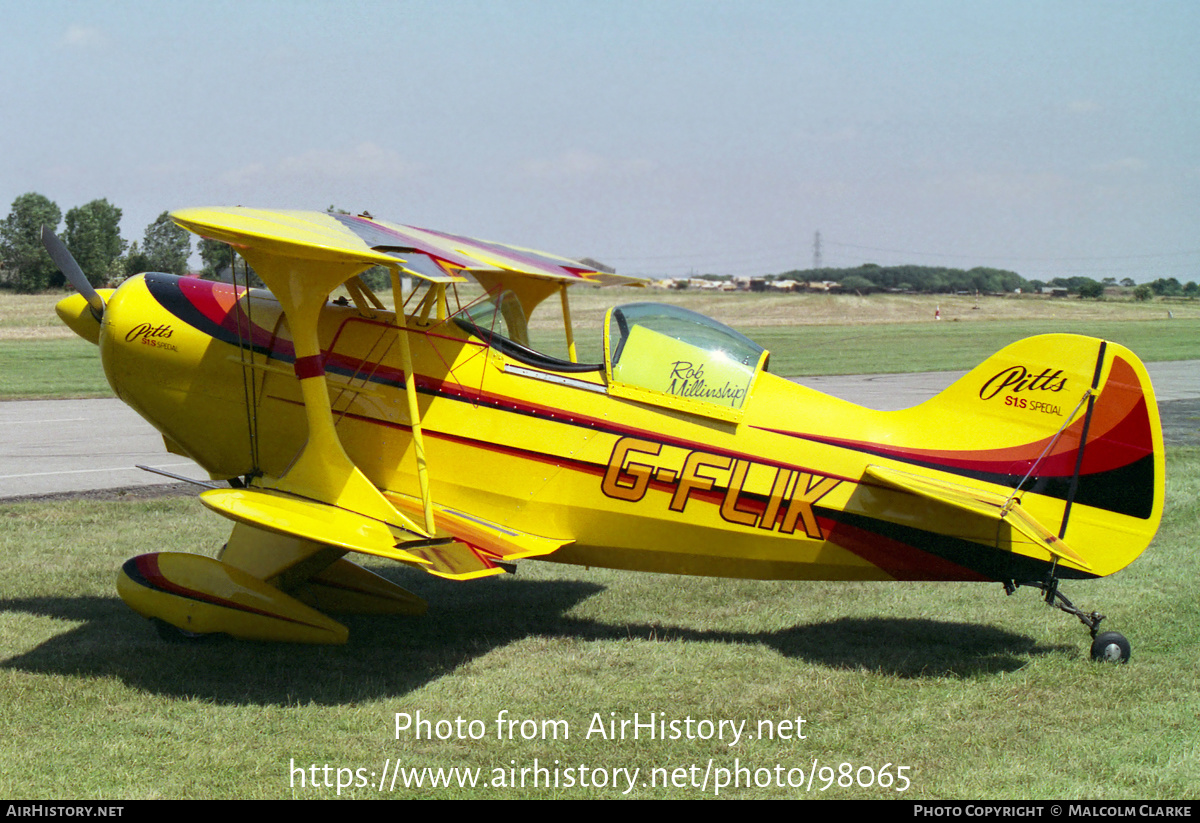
(366, 160)
(1003, 186)
(1125, 165)
(244, 175)
(845, 134)
(578, 164)
(1083, 106)
(77, 36)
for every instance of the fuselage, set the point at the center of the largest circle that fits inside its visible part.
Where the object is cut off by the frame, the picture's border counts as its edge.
(545, 448)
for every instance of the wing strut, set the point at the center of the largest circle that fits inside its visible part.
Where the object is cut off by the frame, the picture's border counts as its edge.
(322, 472)
(566, 310)
(435, 297)
(414, 409)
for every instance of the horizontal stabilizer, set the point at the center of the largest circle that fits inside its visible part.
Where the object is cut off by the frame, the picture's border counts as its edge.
(319, 522)
(988, 504)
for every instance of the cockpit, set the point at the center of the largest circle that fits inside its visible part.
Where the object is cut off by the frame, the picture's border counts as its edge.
(678, 358)
(654, 353)
(500, 322)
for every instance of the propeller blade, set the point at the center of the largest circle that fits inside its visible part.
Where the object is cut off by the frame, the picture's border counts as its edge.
(66, 263)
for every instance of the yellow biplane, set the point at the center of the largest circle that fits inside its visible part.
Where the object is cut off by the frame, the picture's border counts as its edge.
(435, 435)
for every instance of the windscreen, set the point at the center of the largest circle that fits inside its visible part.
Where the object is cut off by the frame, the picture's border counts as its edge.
(673, 352)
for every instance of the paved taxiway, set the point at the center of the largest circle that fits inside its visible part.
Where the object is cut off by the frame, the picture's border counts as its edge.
(52, 446)
(49, 446)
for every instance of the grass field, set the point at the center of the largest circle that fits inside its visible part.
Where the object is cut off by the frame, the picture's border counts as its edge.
(975, 694)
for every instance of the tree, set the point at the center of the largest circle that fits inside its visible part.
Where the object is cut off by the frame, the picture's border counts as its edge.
(166, 247)
(858, 283)
(1143, 293)
(1169, 287)
(93, 236)
(217, 257)
(135, 261)
(1091, 289)
(26, 265)
(377, 278)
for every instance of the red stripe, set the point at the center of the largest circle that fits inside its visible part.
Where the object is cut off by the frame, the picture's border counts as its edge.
(147, 565)
(900, 560)
(311, 366)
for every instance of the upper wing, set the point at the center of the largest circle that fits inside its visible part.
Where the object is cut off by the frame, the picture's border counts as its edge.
(293, 234)
(428, 255)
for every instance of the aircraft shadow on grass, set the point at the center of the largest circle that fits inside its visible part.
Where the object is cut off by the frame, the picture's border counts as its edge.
(392, 656)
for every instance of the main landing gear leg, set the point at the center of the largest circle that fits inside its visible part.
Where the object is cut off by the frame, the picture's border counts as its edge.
(1109, 647)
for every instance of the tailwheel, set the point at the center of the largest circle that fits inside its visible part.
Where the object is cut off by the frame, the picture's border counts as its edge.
(1110, 647)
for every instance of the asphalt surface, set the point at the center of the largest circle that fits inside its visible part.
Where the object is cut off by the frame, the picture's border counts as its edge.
(54, 446)
(63, 446)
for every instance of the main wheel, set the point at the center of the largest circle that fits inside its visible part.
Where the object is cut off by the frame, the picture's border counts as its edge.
(1110, 647)
(174, 634)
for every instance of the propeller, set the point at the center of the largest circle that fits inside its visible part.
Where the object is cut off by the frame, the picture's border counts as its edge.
(63, 258)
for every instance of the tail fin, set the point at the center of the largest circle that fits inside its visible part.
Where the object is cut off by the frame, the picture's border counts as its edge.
(1069, 423)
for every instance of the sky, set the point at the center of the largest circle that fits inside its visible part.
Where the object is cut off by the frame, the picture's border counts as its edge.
(661, 137)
